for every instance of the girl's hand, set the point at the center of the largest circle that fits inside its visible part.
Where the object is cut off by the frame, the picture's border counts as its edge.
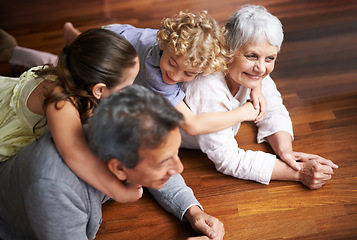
(133, 192)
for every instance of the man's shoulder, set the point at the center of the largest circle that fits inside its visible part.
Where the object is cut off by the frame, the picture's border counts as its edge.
(41, 160)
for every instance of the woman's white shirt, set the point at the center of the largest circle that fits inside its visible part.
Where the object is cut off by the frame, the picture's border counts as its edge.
(211, 94)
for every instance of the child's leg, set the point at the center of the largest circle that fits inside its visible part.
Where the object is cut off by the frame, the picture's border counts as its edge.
(7, 45)
(23, 59)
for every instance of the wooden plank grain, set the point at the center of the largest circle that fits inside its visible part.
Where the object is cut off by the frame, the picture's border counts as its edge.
(316, 73)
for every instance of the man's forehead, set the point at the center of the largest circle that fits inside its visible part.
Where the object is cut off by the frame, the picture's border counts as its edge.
(168, 147)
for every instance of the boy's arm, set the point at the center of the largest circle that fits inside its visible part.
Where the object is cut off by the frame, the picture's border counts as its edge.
(67, 132)
(214, 121)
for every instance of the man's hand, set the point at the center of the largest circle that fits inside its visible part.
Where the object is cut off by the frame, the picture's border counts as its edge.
(201, 222)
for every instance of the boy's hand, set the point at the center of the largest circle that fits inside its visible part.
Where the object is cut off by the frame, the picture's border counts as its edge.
(259, 103)
(250, 113)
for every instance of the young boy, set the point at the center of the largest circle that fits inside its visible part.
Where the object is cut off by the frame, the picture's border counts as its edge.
(187, 44)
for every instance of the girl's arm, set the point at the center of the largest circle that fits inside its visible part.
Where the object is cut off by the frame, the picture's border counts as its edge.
(66, 129)
(214, 121)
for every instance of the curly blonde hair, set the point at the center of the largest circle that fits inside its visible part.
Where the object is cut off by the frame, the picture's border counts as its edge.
(198, 38)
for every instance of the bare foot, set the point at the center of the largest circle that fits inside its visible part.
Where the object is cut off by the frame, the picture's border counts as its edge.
(7, 45)
(69, 33)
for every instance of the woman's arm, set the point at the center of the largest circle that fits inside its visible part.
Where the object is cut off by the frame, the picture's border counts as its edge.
(281, 144)
(66, 129)
(314, 171)
(310, 169)
(214, 121)
(277, 117)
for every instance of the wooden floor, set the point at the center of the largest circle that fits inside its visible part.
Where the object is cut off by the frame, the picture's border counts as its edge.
(316, 73)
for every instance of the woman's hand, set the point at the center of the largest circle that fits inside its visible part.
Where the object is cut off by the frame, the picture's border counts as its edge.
(315, 171)
(291, 158)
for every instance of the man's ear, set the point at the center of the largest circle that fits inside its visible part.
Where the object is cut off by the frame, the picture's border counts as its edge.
(116, 167)
(98, 90)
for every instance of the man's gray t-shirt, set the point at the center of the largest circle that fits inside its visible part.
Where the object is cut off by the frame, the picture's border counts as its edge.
(41, 198)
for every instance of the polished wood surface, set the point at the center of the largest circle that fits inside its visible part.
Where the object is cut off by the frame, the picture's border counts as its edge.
(316, 73)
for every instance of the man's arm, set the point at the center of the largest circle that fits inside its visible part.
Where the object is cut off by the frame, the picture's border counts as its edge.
(177, 198)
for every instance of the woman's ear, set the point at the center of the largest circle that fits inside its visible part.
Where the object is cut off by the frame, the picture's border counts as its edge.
(98, 90)
(117, 168)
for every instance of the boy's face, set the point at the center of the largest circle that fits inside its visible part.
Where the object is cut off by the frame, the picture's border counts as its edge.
(174, 69)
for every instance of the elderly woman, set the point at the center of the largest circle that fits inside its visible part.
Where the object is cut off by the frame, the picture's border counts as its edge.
(255, 36)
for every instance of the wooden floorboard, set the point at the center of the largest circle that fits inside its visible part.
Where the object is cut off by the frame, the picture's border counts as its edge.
(316, 73)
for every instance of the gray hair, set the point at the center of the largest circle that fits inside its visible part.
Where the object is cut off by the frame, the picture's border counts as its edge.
(134, 119)
(250, 24)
